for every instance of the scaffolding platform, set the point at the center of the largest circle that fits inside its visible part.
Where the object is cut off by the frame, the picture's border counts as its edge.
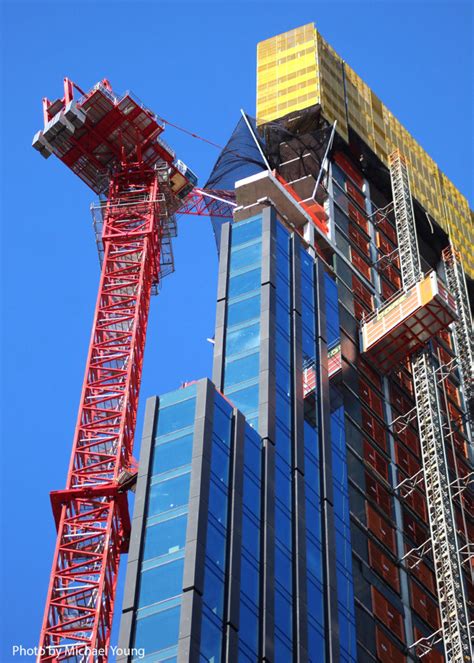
(406, 322)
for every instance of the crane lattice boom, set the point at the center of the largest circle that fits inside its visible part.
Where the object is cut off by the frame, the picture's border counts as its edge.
(114, 145)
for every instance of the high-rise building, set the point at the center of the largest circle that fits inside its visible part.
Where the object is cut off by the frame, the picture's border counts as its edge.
(313, 502)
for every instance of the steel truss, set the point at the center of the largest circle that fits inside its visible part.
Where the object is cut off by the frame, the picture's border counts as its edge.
(92, 513)
(446, 558)
(462, 328)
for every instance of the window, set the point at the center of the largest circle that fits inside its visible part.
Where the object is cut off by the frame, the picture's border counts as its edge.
(168, 536)
(243, 310)
(161, 582)
(246, 231)
(362, 293)
(406, 461)
(172, 454)
(348, 168)
(243, 339)
(376, 460)
(245, 282)
(355, 194)
(169, 494)
(242, 257)
(417, 532)
(211, 640)
(425, 575)
(424, 606)
(378, 494)
(241, 370)
(361, 264)
(387, 650)
(159, 630)
(375, 429)
(174, 417)
(245, 399)
(373, 401)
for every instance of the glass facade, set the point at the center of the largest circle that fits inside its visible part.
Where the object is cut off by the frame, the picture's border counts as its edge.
(216, 562)
(272, 527)
(345, 587)
(314, 541)
(160, 581)
(242, 349)
(249, 603)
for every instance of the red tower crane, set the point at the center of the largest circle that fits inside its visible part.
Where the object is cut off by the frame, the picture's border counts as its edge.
(114, 145)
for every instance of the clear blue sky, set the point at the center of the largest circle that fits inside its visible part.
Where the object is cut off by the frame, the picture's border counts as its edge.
(194, 63)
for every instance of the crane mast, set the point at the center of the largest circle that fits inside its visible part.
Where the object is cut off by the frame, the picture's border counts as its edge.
(446, 558)
(112, 144)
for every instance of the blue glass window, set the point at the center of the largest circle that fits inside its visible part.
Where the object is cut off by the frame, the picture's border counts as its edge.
(211, 640)
(158, 631)
(245, 256)
(245, 399)
(245, 282)
(176, 416)
(249, 623)
(165, 537)
(169, 494)
(241, 370)
(243, 339)
(243, 310)
(161, 582)
(174, 453)
(246, 231)
(213, 595)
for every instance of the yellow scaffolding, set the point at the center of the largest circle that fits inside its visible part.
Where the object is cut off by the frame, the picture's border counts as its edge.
(298, 69)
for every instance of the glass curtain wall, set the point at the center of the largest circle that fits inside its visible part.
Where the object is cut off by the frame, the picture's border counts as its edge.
(162, 563)
(215, 563)
(242, 349)
(314, 546)
(283, 452)
(250, 566)
(345, 587)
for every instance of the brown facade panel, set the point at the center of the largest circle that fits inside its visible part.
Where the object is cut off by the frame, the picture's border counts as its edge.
(387, 650)
(376, 460)
(375, 429)
(371, 399)
(384, 566)
(378, 494)
(384, 532)
(424, 606)
(413, 529)
(425, 576)
(387, 614)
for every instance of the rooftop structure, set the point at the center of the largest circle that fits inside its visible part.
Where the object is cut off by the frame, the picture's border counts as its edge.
(299, 69)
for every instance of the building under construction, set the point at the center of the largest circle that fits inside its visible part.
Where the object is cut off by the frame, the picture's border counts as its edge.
(313, 502)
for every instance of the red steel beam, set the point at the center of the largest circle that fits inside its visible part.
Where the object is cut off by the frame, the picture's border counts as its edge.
(92, 512)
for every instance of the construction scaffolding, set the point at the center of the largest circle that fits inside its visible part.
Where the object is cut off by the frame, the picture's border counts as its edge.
(445, 549)
(462, 328)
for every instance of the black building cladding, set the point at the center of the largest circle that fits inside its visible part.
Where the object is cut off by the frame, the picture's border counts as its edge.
(270, 523)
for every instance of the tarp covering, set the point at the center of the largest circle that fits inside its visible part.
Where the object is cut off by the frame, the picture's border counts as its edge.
(240, 158)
